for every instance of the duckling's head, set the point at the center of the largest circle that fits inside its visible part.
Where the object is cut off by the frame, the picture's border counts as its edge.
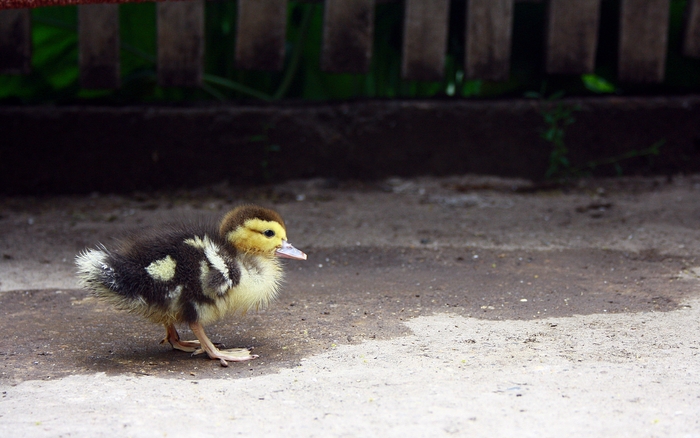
(257, 230)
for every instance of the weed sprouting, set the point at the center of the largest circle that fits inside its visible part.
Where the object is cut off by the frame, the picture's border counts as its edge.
(557, 116)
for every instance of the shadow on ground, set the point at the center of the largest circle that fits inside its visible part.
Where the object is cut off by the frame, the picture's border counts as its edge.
(339, 296)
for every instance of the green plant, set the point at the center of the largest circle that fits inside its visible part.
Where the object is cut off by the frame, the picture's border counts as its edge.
(557, 117)
(597, 84)
(654, 149)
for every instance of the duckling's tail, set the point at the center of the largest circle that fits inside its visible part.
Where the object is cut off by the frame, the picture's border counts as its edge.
(99, 271)
(94, 272)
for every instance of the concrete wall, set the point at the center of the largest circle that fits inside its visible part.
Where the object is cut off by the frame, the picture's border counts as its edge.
(79, 149)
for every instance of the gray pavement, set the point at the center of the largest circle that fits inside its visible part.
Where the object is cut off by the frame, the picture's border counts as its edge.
(428, 307)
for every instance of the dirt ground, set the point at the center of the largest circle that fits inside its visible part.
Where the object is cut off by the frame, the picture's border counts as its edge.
(467, 306)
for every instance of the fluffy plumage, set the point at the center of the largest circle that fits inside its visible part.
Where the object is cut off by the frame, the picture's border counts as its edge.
(194, 274)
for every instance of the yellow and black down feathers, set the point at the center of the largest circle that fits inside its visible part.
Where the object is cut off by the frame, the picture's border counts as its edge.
(193, 273)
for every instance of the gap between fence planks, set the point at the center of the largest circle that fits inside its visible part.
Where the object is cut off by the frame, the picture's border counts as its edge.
(98, 40)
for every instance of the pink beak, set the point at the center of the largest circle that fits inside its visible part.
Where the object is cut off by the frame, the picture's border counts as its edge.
(287, 251)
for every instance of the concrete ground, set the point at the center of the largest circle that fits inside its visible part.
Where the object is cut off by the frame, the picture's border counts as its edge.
(465, 306)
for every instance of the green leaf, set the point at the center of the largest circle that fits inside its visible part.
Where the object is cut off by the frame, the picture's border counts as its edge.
(597, 84)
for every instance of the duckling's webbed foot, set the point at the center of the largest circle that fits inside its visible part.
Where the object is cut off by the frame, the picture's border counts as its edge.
(224, 356)
(236, 352)
(173, 338)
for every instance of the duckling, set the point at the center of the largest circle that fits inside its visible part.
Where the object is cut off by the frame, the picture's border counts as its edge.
(194, 274)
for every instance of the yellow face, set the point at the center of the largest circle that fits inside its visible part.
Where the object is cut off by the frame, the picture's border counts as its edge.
(258, 236)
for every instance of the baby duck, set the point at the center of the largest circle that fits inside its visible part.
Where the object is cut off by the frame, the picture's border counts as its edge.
(194, 274)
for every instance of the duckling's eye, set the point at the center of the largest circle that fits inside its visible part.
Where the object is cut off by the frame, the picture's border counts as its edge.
(269, 233)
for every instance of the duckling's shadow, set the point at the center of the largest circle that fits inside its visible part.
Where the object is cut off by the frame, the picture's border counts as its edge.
(50, 334)
(137, 349)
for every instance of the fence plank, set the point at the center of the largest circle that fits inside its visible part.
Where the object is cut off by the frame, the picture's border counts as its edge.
(15, 41)
(98, 41)
(691, 38)
(180, 43)
(572, 36)
(488, 39)
(261, 33)
(348, 29)
(425, 39)
(643, 40)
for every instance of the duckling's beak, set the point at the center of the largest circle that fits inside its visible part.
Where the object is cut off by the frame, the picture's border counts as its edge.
(287, 251)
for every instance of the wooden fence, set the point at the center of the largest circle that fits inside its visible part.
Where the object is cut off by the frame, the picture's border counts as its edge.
(571, 38)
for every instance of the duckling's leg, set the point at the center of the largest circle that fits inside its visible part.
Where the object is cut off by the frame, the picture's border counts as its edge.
(173, 338)
(232, 355)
